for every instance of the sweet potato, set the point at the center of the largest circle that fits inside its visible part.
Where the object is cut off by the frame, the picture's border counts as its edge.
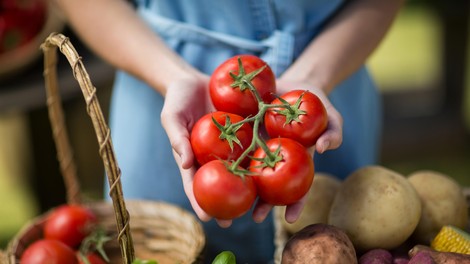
(376, 256)
(422, 257)
(401, 260)
(319, 244)
(421, 253)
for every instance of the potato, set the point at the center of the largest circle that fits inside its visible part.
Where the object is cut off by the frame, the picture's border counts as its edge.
(317, 206)
(319, 244)
(376, 207)
(443, 204)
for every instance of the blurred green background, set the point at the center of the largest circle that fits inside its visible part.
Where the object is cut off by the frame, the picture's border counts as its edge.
(420, 131)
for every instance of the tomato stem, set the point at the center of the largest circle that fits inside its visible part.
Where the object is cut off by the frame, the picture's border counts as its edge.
(257, 140)
(243, 81)
(252, 144)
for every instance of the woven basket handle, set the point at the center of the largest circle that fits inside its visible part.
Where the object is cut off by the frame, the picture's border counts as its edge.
(64, 153)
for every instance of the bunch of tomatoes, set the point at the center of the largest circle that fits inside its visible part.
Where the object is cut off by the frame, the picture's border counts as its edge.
(255, 146)
(70, 235)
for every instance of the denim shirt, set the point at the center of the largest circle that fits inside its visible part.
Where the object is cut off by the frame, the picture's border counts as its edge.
(275, 30)
(205, 33)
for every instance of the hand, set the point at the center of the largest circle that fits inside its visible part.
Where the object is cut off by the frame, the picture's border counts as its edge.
(293, 211)
(186, 100)
(333, 136)
(330, 139)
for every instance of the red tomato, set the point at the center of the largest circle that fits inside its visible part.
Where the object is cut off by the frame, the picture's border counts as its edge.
(222, 194)
(305, 123)
(238, 99)
(69, 224)
(20, 22)
(46, 251)
(92, 259)
(209, 144)
(289, 179)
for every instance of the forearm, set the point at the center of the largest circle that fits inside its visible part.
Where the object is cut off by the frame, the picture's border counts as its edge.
(345, 43)
(112, 30)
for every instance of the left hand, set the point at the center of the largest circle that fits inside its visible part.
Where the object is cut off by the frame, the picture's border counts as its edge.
(333, 136)
(330, 139)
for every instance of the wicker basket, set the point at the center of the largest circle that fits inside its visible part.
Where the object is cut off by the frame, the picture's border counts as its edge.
(143, 229)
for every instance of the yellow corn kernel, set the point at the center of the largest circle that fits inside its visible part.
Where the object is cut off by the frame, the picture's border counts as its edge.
(452, 239)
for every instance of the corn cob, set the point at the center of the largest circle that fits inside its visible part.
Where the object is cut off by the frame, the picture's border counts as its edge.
(451, 239)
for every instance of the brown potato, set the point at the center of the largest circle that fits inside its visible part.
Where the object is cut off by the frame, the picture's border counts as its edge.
(317, 206)
(376, 207)
(319, 244)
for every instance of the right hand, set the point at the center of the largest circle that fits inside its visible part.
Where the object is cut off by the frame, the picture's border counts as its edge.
(186, 100)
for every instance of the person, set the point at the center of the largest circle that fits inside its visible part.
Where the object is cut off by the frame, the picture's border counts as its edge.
(165, 51)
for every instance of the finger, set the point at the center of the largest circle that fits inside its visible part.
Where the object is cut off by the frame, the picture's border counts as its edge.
(333, 136)
(224, 223)
(179, 139)
(187, 178)
(294, 210)
(183, 147)
(261, 211)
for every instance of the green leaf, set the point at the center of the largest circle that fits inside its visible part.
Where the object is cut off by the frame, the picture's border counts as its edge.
(228, 131)
(95, 242)
(243, 80)
(225, 257)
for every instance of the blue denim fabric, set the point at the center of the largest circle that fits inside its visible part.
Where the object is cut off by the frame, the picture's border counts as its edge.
(206, 33)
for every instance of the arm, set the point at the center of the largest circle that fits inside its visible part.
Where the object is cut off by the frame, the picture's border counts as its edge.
(345, 43)
(112, 29)
(342, 47)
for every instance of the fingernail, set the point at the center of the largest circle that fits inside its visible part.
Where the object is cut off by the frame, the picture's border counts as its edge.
(326, 145)
(291, 219)
(258, 220)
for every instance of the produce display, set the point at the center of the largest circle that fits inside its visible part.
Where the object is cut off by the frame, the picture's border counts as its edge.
(238, 162)
(255, 146)
(381, 210)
